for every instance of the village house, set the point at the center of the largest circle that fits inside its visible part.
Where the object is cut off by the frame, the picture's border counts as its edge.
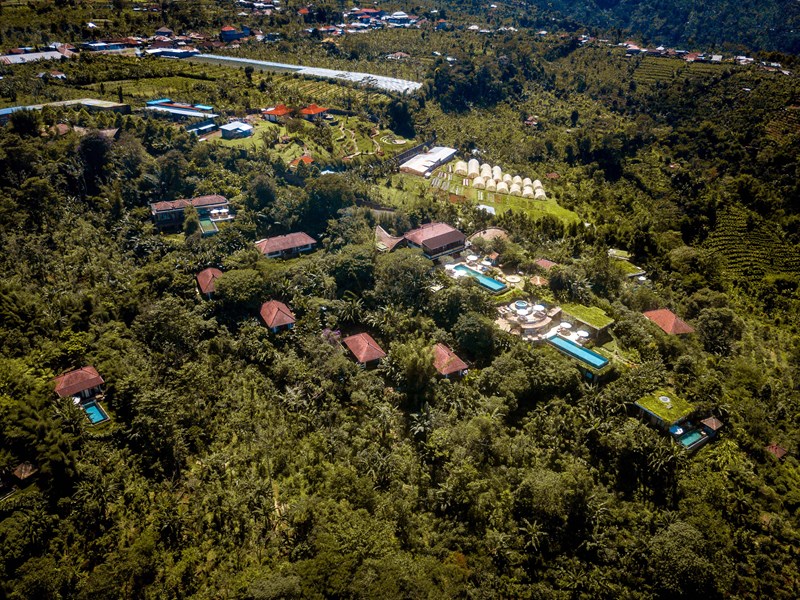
(277, 114)
(277, 316)
(436, 239)
(669, 322)
(84, 383)
(286, 246)
(236, 130)
(206, 281)
(305, 159)
(230, 34)
(366, 350)
(312, 112)
(169, 214)
(447, 363)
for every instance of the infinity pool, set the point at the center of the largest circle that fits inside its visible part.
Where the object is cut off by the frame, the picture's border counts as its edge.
(492, 285)
(593, 359)
(95, 413)
(689, 439)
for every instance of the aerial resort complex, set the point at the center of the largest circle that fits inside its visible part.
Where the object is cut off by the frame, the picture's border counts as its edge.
(395, 300)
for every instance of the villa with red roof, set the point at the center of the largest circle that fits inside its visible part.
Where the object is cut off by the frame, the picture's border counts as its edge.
(84, 383)
(277, 316)
(305, 159)
(312, 112)
(436, 239)
(669, 322)
(447, 363)
(366, 350)
(277, 114)
(545, 264)
(206, 281)
(286, 246)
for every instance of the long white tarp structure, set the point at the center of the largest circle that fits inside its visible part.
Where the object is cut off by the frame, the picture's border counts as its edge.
(390, 84)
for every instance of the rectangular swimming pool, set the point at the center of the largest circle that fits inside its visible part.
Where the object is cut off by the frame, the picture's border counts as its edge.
(95, 412)
(492, 285)
(576, 351)
(690, 438)
(208, 227)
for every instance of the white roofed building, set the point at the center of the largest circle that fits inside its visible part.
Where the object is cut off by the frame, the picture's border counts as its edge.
(424, 164)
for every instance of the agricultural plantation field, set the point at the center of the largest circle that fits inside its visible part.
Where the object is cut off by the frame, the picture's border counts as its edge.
(748, 247)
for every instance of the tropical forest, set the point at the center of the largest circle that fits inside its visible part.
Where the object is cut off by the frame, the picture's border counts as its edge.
(399, 300)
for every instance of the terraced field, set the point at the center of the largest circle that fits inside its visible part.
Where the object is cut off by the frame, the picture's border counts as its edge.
(786, 123)
(653, 70)
(748, 246)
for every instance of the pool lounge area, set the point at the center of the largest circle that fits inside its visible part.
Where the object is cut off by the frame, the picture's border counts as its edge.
(573, 350)
(487, 282)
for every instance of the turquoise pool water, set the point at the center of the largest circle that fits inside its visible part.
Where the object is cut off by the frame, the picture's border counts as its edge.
(491, 284)
(94, 412)
(689, 439)
(593, 359)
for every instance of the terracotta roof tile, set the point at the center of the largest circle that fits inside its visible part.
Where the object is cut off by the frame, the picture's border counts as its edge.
(206, 280)
(364, 348)
(282, 243)
(668, 321)
(74, 382)
(446, 361)
(276, 314)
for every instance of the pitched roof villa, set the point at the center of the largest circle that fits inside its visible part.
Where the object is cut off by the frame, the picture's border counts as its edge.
(669, 322)
(206, 280)
(447, 362)
(364, 348)
(277, 315)
(286, 245)
(73, 383)
(436, 239)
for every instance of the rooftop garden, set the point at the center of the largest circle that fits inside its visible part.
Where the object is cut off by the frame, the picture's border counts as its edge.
(591, 315)
(669, 411)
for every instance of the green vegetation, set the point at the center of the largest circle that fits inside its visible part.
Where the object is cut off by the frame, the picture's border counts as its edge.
(591, 315)
(675, 409)
(239, 463)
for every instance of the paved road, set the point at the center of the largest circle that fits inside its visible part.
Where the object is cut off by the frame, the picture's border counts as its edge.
(389, 84)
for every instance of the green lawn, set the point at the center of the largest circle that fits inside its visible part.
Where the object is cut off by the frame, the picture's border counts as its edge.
(628, 268)
(591, 315)
(674, 410)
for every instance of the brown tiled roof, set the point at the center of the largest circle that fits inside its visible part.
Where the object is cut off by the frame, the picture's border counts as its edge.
(276, 314)
(364, 348)
(301, 159)
(24, 470)
(668, 321)
(490, 234)
(182, 203)
(206, 280)
(713, 423)
(74, 382)
(383, 237)
(545, 264)
(776, 450)
(434, 235)
(446, 361)
(282, 243)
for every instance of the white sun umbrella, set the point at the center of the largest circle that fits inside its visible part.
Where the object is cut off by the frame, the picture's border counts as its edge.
(565, 325)
(472, 258)
(538, 307)
(582, 333)
(486, 263)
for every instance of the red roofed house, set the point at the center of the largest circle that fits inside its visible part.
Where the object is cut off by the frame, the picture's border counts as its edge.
(776, 450)
(285, 246)
(364, 348)
(312, 112)
(84, 383)
(168, 214)
(545, 264)
(436, 239)
(447, 363)
(277, 316)
(206, 281)
(305, 159)
(277, 114)
(229, 34)
(669, 321)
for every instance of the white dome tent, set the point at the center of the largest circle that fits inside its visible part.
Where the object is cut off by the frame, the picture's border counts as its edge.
(491, 186)
(515, 190)
(502, 187)
(473, 169)
(478, 183)
(517, 179)
(527, 192)
(497, 173)
(461, 168)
